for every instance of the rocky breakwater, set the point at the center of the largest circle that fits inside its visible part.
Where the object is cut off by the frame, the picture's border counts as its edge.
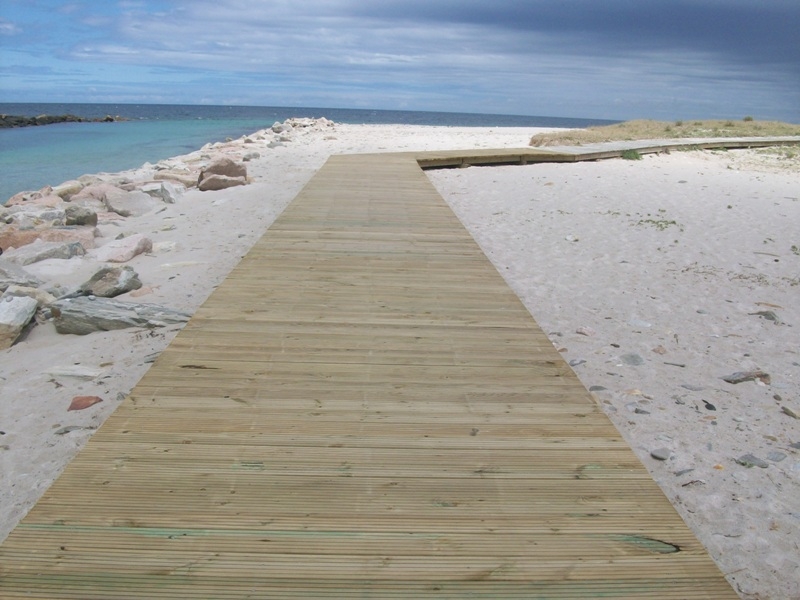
(76, 221)
(64, 223)
(9, 121)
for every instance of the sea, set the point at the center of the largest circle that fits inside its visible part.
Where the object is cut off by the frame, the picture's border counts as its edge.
(33, 157)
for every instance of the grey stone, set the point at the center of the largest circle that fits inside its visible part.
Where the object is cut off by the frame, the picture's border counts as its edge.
(39, 250)
(634, 360)
(15, 314)
(80, 215)
(111, 281)
(692, 388)
(85, 315)
(661, 453)
(35, 216)
(165, 191)
(776, 456)
(13, 274)
(130, 204)
(749, 460)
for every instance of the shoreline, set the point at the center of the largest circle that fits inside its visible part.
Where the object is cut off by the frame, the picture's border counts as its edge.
(552, 231)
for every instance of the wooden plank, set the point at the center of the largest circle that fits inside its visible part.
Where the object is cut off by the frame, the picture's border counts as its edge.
(363, 409)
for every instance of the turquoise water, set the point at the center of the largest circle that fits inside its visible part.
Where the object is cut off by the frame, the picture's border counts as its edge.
(33, 157)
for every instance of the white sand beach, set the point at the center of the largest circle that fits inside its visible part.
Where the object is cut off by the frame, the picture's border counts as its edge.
(654, 279)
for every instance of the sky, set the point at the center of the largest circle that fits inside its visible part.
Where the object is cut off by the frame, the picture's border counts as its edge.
(601, 59)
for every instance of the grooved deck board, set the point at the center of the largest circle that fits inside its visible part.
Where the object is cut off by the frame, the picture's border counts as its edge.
(363, 409)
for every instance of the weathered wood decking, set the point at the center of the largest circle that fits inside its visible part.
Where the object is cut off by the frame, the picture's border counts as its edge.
(363, 409)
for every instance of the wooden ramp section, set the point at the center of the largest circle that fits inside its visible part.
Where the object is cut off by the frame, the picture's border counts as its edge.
(363, 409)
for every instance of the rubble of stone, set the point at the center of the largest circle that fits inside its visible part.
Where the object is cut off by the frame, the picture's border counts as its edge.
(75, 221)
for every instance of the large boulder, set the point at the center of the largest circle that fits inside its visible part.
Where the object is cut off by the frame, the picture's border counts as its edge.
(12, 236)
(68, 189)
(123, 250)
(42, 197)
(15, 314)
(29, 216)
(13, 274)
(42, 297)
(87, 314)
(80, 215)
(166, 191)
(109, 282)
(219, 182)
(40, 250)
(225, 167)
(185, 178)
(130, 204)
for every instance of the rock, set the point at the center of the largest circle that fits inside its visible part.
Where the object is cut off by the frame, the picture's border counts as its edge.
(577, 362)
(749, 460)
(80, 215)
(741, 376)
(789, 412)
(15, 314)
(119, 251)
(110, 282)
(634, 360)
(18, 291)
(250, 156)
(35, 216)
(185, 178)
(776, 456)
(225, 167)
(13, 274)
(661, 453)
(94, 195)
(83, 402)
(587, 331)
(130, 204)
(278, 127)
(768, 315)
(165, 191)
(219, 182)
(85, 315)
(692, 388)
(15, 237)
(68, 189)
(40, 250)
(39, 199)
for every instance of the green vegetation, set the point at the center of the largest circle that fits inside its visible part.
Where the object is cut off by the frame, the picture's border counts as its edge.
(631, 155)
(643, 129)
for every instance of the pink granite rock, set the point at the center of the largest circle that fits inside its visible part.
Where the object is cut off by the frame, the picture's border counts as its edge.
(120, 251)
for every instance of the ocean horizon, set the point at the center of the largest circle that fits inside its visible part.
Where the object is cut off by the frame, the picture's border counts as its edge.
(34, 157)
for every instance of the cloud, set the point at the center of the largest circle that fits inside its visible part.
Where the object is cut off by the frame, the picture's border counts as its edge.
(530, 56)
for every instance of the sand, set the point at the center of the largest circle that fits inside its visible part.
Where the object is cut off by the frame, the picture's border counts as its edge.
(647, 275)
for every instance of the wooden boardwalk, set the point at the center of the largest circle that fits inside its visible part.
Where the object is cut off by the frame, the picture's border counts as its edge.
(363, 409)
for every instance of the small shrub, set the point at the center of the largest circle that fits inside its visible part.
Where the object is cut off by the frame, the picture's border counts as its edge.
(747, 119)
(728, 123)
(631, 155)
(678, 123)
